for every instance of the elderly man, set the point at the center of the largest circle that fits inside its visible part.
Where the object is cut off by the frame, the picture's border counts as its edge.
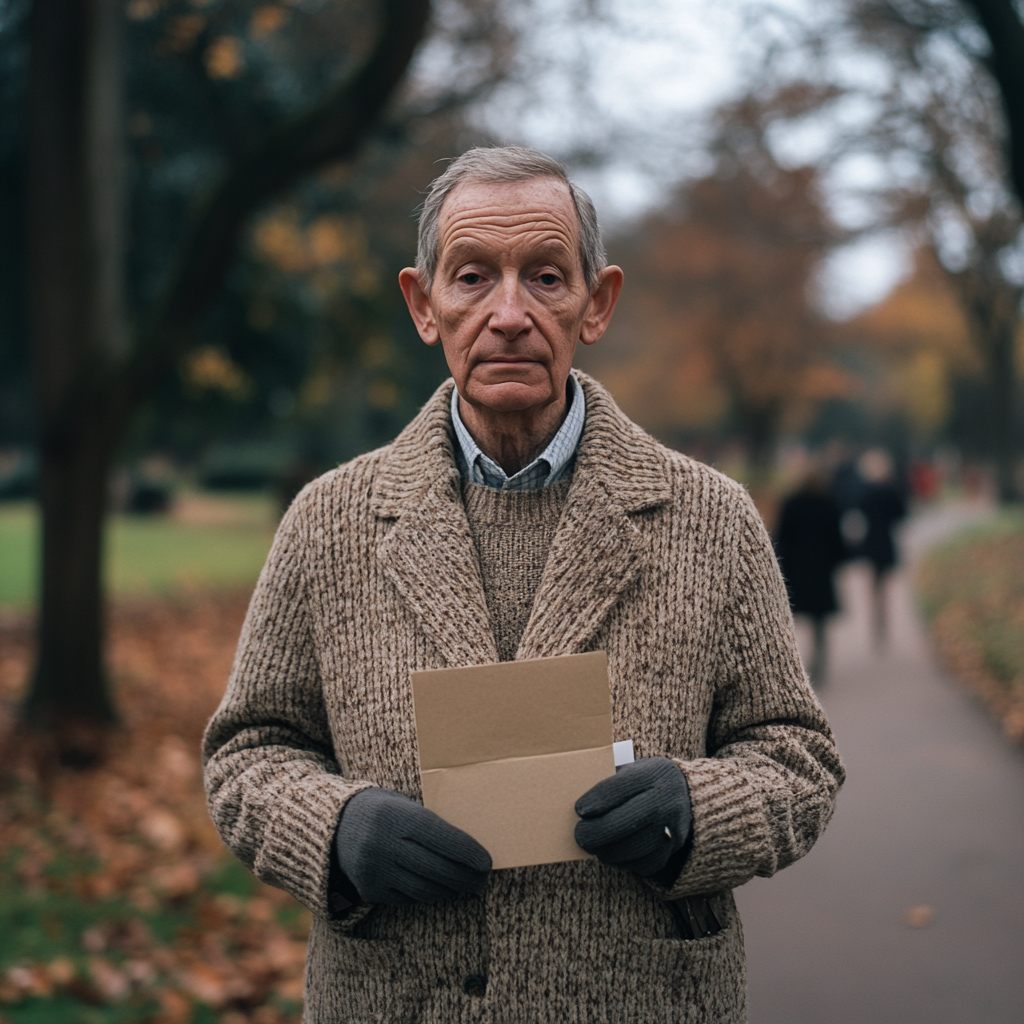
(520, 515)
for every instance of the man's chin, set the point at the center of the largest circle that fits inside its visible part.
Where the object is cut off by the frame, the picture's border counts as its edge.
(508, 395)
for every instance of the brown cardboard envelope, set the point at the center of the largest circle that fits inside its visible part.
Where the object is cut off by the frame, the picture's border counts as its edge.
(507, 749)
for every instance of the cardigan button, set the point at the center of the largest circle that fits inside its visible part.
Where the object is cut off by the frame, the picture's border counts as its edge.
(475, 985)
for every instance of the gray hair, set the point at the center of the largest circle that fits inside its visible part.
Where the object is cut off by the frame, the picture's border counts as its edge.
(502, 165)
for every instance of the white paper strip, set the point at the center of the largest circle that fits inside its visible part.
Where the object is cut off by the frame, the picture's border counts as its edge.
(623, 751)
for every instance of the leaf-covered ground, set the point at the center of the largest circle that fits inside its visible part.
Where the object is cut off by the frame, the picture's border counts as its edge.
(972, 590)
(118, 902)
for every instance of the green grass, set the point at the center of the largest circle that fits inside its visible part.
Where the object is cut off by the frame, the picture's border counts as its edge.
(149, 555)
(19, 541)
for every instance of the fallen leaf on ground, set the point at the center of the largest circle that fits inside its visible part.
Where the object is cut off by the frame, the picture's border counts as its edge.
(119, 866)
(919, 917)
(61, 970)
(112, 984)
(163, 830)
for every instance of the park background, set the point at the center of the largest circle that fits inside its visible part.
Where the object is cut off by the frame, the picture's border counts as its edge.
(204, 206)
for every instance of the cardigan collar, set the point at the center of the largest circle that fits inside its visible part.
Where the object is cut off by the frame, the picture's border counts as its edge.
(613, 450)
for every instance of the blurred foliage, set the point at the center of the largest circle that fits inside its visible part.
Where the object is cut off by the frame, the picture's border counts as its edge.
(721, 331)
(941, 128)
(207, 542)
(881, 120)
(117, 900)
(717, 329)
(919, 333)
(69, 957)
(972, 590)
(919, 345)
(310, 343)
(19, 550)
(921, 362)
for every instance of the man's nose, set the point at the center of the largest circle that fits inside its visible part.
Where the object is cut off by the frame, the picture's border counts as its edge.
(509, 315)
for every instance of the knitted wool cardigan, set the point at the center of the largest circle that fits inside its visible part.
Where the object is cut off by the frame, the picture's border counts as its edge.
(657, 559)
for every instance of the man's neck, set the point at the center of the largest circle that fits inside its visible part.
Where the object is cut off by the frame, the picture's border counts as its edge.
(514, 439)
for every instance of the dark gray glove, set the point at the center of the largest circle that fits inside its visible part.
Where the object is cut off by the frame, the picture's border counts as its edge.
(393, 850)
(637, 818)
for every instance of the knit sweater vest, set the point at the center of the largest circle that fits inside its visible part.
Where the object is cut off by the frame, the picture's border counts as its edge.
(512, 532)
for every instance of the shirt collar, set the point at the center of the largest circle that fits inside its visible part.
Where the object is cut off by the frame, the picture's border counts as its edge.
(549, 467)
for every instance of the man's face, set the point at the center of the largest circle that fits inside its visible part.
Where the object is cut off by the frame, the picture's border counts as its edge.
(509, 300)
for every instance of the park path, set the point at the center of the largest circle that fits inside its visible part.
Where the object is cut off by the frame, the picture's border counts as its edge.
(932, 815)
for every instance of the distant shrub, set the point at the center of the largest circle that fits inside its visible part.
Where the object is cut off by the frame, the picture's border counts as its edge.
(972, 590)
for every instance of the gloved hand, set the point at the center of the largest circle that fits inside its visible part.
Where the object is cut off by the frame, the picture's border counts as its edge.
(637, 818)
(393, 850)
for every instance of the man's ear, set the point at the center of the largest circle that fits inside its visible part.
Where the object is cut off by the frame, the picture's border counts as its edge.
(418, 301)
(601, 305)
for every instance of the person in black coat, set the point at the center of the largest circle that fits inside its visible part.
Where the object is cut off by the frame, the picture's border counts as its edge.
(810, 546)
(883, 507)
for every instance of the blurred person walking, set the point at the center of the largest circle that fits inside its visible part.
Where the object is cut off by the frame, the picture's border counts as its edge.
(810, 546)
(847, 485)
(883, 506)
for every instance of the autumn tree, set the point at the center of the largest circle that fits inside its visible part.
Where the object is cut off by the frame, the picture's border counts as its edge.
(95, 361)
(719, 309)
(945, 130)
(917, 342)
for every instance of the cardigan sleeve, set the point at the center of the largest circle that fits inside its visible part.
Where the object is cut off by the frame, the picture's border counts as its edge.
(767, 790)
(273, 786)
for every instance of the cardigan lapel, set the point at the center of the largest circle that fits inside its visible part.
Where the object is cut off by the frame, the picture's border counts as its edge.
(595, 555)
(598, 551)
(429, 554)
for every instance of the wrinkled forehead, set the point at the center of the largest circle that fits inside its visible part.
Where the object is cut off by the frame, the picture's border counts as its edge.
(509, 217)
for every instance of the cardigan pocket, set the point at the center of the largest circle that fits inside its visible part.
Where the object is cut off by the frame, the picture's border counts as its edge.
(691, 981)
(694, 917)
(351, 979)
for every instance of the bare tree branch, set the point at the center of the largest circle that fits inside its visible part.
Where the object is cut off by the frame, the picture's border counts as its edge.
(1005, 31)
(332, 131)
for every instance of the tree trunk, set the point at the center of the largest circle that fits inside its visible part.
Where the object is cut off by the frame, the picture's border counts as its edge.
(992, 306)
(74, 219)
(88, 383)
(1001, 20)
(73, 491)
(761, 444)
(759, 428)
(1002, 387)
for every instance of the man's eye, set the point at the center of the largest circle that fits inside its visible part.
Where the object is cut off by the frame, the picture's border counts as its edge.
(471, 278)
(548, 279)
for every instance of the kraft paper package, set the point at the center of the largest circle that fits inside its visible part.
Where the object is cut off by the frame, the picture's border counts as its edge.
(507, 749)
